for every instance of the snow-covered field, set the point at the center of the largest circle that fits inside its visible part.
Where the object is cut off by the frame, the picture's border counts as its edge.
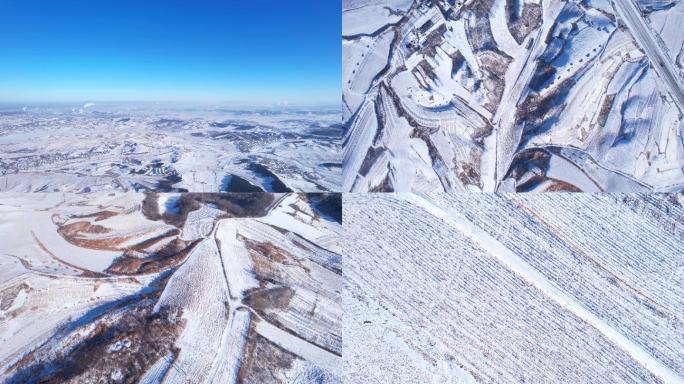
(249, 288)
(513, 95)
(176, 243)
(533, 288)
(170, 288)
(169, 148)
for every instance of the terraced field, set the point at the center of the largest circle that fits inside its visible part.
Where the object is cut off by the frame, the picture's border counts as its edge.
(128, 288)
(513, 95)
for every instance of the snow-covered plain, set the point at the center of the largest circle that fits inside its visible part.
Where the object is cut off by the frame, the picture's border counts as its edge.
(513, 288)
(513, 95)
(169, 148)
(170, 288)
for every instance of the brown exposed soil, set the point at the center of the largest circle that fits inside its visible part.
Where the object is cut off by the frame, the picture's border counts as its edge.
(171, 255)
(75, 233)
(99, 216)
(145, 244)
(267, 250)
(468, 174)
(263, 360)
(606, 106)
(561, 186)
(264, 299)
(530, 19)
(267, 260)
(78, 227)
(7, 298)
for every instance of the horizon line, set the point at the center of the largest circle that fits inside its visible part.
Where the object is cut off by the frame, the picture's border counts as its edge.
(284, 103)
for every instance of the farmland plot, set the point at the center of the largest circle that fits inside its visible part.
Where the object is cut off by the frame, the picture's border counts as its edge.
(462, 288)
(513, 95)
(170, 288)
(168, 148)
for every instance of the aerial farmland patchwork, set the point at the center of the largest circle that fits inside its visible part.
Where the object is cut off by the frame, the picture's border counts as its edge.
(398, 235)
(513, 95)
(176, 288)
(169, 148)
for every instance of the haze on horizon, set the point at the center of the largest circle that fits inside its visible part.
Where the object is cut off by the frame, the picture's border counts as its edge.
(252, 52)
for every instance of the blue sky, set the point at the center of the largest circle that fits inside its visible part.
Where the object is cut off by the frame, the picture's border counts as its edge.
(250, 51)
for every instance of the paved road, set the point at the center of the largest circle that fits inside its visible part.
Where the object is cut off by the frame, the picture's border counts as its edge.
(630, 13)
